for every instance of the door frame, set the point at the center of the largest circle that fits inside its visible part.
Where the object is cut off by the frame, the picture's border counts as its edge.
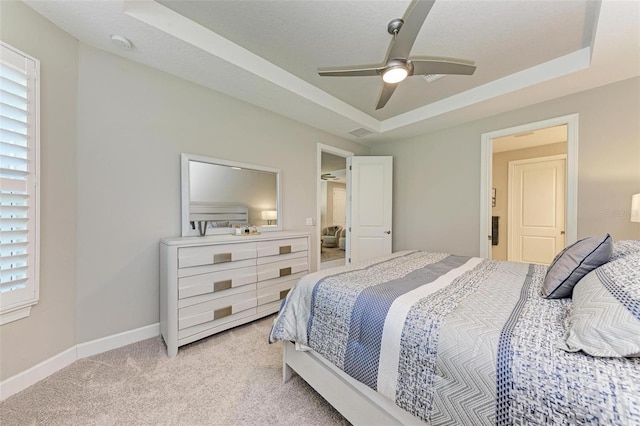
(486, 173)
(341, 153)
(510, 204)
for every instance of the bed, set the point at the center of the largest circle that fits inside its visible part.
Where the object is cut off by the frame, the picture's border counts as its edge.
(420, 337)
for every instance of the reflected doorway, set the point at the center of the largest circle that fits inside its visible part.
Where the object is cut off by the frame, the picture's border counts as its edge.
(333, 213)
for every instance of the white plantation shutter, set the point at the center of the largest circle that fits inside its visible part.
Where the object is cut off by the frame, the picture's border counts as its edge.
(19, 162)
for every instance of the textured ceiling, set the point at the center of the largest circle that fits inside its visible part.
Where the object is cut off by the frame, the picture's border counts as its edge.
(267, 53)
(302, 36)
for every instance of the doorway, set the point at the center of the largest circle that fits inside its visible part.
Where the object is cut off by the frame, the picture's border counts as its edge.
(332, 203)
(535, 140)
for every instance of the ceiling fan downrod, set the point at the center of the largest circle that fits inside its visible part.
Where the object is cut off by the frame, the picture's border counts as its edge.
(394, 27)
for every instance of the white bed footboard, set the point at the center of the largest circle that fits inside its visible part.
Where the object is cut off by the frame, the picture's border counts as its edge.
(355, 401)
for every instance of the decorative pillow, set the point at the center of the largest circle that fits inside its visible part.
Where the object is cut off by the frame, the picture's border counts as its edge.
(605, 318)
(623, 248)
(573, 263)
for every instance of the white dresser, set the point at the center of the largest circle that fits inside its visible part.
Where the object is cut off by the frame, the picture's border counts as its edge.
(210, 284)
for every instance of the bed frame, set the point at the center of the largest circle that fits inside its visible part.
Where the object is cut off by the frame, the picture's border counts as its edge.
(357, 402)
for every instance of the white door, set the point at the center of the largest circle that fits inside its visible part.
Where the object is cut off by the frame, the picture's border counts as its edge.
(369, 183)
(339, 206)
(536, 229)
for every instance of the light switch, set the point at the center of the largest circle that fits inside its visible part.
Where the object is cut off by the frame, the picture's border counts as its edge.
(309, 221)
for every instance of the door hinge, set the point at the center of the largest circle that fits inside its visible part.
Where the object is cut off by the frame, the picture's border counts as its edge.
(350, 168)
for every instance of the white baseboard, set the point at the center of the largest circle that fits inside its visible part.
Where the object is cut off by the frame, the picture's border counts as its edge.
(33, 375)
(36, 373)
(117, 340)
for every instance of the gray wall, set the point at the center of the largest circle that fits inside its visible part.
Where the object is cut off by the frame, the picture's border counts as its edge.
(112, 134)
(436, 176)
(133, 123)
(51, 328)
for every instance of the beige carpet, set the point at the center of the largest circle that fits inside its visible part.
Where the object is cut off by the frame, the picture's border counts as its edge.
(232, 378)
(331, 253)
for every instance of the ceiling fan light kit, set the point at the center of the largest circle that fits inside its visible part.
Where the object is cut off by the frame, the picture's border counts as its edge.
(395, 74)
(398, 66)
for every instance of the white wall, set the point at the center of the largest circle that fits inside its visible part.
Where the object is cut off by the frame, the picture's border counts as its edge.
(51, 327)
(436, 178)
(112, 134)
(133, 123)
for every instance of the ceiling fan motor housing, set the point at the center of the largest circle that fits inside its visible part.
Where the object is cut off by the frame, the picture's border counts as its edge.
(394, 26)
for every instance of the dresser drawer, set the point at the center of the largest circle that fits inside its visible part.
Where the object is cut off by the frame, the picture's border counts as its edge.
(276, 291)
(277, 247)
(264, 285)
(207, 269)
(216, 309)
(215, 254)
(216, 282)
(187, 335)
(282, 266)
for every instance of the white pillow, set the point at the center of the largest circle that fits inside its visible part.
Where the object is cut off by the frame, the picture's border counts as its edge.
(605, 317)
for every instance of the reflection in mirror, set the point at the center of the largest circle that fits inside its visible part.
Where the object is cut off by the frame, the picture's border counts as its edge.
(220, 195)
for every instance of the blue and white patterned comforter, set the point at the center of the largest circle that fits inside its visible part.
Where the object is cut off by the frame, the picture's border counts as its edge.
(458, 340)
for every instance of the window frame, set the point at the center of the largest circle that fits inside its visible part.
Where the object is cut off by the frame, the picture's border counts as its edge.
(19, 305)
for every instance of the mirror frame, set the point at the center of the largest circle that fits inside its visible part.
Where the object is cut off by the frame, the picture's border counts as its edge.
(186, 196)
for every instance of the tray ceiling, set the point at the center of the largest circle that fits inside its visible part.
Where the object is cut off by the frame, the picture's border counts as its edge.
(267, 53)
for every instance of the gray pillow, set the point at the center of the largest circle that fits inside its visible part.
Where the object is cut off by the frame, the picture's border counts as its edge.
(573, 263)
(623, 248)
(605, 317)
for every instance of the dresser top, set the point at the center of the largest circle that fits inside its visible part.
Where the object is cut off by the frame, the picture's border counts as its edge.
(231, 238)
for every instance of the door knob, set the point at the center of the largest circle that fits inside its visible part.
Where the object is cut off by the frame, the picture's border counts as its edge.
(561, 232)
(387, 232)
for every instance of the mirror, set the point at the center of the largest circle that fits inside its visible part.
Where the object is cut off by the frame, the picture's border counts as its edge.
(218, 195)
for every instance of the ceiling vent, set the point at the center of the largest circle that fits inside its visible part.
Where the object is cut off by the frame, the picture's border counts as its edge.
(358, 133)
(433, 77)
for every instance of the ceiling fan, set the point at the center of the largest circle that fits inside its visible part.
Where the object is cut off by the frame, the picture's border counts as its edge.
(398, 65)
(328, 176)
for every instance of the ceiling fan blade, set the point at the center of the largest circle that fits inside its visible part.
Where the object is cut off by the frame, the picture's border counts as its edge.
(441, 66)
(401, 46)
(359, 71)
(387, 91)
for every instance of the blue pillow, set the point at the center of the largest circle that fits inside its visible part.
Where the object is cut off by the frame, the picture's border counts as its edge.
(573, 263)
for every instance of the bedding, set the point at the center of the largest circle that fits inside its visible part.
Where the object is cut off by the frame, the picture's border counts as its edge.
(573, 263)
(624, 248)
(458, 340)
(605, 317)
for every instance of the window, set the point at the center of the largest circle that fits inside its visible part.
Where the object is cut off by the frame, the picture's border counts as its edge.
(19, 185)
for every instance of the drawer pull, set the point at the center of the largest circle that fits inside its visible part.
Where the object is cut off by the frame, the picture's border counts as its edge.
(221, 285)
(284, 293)
(222, 258)
(221, 313)
(285, 249)
(285, 271)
